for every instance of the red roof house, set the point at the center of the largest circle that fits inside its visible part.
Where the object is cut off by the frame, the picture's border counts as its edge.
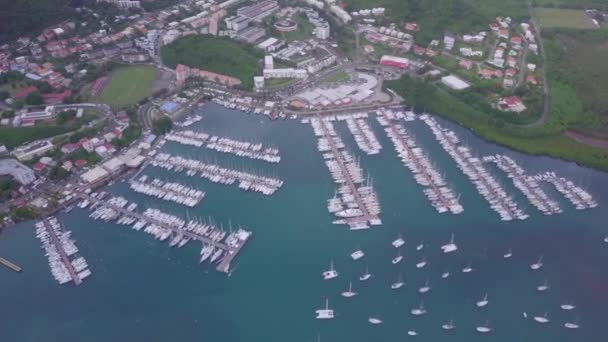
(25, 92)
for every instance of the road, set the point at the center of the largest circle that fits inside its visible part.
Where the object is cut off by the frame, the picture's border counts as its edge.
(543, 70)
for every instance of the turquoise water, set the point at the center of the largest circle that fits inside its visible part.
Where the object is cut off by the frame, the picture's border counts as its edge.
(143, 290)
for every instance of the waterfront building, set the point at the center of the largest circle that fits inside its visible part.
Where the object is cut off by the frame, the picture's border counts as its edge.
(17, 170)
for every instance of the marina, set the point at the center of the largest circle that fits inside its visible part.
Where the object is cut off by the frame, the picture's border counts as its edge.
(526, 184)
(226, 145)
(472, 167)
(61, 251)
(363, 134)
(442, 198)
(168, 191)
(222, 246)
(217, 174)
(362, 206)
(580, 198)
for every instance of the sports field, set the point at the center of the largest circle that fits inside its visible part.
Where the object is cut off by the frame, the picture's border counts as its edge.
(128, 85)
(566, 18)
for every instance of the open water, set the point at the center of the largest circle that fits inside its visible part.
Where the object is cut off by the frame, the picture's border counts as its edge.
(143, 290)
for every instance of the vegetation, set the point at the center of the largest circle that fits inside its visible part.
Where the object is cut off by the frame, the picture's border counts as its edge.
(12, 137)
(162, 125)
(304, 30)
(128, 85)
(7, 186)
(22, 17)
(133, 132)
(338, 77)
(568, 18)
(547, 139)
(219, 55)
(597, 4)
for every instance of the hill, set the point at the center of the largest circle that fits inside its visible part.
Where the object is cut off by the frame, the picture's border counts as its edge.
(219, 55)
(22, 17)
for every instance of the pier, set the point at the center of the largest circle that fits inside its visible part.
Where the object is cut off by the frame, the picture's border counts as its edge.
(400, 142)
(62, 253)
(367, 217)
(231, 251)
(10, 265)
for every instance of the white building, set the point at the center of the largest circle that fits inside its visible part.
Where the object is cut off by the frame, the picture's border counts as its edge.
(341, 14)
(322, 31)
(258, 82)
(18, 171)
(285, 73)
(268, 63)
(454, 82)
(34, 149)
(448, 42)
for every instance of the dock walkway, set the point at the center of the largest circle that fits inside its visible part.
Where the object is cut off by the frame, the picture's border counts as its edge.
(64, 256)
(10, 265)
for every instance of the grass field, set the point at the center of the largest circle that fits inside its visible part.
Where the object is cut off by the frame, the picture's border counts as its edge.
(220, 55)
(563, 18)
(128, 85)
(303, 32)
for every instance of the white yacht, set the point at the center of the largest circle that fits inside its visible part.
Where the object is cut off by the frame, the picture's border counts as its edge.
(206, 252)
(542, 319)
(467, 269)
(483, 302)
(356, 255)
(568, 307)
(450, 247)
(398, 284)
(398, 243)
(331, 273)
(374, 320)
(349, 293)
(606, 239)
(484, 328)
(398, 258)
(543, 287)
(508, 254)
(571, 325)
(420, 310)
(412, 333)
(445, 275)
(420, 246)
(424, 289)
(326, 313)
(365, 276)
(421, 264)
(448, 326)
(538, 264)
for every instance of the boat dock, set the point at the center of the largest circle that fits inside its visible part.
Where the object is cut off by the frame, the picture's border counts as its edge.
(366, 215)
(231, 250)
(420, 166)
(10, 265)
(62, 253)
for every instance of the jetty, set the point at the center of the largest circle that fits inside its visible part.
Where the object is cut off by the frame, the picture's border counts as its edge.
(58, 246)
(10, 265)
(231, 247)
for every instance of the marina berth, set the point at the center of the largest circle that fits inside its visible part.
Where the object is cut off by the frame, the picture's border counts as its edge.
(190, 120)
(580, 198)
(473, 168)
(364, 135)
(442, 197)
(65, 263)
(217, 174)
(355, 202)
(168, 191)
(226, 145)
(529, 186)
(219, 246)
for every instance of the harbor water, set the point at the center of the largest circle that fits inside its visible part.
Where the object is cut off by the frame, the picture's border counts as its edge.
(143, 290)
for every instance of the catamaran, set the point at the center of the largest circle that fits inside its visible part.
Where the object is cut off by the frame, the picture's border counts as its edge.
(538, 264)
(326, 313)
(450, 247)
(398, 258)
(331, 273)
(483, 302)
(398, 243)
(365, 275)
(356, 255)
(349, 293)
